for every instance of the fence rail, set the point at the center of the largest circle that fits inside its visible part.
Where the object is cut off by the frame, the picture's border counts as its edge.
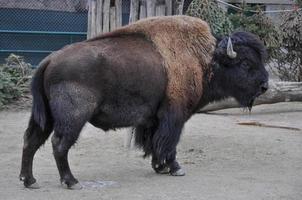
(43, 32)
(32, 30)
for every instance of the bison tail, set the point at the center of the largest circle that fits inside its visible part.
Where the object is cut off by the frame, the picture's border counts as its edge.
(40, 108)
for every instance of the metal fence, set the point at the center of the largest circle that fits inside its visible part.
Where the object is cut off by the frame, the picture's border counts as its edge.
(33, 28)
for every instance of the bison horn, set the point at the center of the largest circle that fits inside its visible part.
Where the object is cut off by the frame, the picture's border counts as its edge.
(231, 53)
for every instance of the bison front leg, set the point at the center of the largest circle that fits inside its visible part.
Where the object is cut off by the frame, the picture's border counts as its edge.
(165, 140)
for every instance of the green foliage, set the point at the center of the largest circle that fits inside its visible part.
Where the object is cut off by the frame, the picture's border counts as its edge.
(284, 43)
(223, 24)
(210, 12)
(299, 2)
(290, 63)
(14, 79)
(259, 24)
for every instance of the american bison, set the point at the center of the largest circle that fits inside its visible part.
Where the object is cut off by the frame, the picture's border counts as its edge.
(152, 75)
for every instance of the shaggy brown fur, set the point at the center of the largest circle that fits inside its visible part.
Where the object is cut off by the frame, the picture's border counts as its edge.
(186, 44)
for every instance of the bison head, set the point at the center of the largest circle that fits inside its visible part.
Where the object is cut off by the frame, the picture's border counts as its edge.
(239, 67)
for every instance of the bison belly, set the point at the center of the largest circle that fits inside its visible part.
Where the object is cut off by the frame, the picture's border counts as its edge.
(125, 74)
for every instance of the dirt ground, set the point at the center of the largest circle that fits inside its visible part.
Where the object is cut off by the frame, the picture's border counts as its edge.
(223, 160)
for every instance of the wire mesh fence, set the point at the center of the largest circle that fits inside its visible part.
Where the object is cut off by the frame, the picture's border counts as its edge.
(34, 28)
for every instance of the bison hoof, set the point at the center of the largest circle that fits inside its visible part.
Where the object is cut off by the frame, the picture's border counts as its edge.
(161, 169)
(34, 186)
(74, 186)
(178, 172)
(29, 182)
(164, 170)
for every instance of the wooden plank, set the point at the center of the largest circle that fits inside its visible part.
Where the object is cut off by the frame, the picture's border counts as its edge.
(89, 20)
(99, 17)
(118, 13)
(106, 13)
(181, 7)
(93, 18)
(151, 8)
(112, 18)
(254, 123)
(178, 6)
(134, 8)
(169, 7)
(142, 12)
(160, 10)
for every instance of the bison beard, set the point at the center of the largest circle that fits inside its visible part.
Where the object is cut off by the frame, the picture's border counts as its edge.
(152, 75)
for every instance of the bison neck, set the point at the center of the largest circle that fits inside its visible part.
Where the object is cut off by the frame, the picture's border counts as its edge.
(213, 87)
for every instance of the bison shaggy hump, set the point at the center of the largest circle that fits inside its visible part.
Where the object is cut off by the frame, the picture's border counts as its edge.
(186, 46)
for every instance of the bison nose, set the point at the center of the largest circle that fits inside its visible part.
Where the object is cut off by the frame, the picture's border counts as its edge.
(264, 87)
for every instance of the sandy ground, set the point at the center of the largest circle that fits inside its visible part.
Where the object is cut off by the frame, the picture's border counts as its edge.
(223, 160)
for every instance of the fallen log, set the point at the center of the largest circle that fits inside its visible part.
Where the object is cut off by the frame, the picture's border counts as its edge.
(277, 92)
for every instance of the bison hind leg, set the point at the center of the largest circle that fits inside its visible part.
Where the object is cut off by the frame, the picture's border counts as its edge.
(67, 129)
(34, 137)
(72, 106)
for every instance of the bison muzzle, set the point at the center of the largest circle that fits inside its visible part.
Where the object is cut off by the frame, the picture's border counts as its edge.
(152, 75)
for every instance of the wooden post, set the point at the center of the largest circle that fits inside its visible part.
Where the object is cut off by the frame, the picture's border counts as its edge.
(143, 11)
(151, 8)
(99, 16)
(178, 7)
(112, 18)
(93, 18)
(106, 12)
(118, 13)
(102, 18)
(160, 10)
(169, 7)
(134, 9)
(89, 22)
